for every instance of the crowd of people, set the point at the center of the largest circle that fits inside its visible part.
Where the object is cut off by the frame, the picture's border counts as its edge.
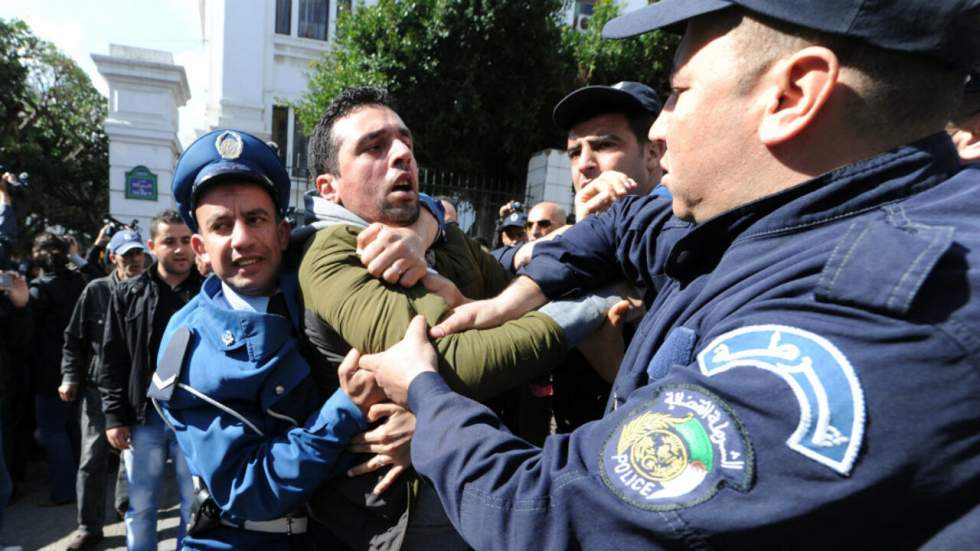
(757, 330)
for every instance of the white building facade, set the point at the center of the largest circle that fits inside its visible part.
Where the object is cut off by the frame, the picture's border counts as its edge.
(259, 54)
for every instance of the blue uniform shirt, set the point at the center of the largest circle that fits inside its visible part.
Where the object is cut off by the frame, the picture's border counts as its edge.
(266, 465)
(806, 378)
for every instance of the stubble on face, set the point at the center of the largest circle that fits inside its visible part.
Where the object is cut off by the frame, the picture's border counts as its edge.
(378, 175)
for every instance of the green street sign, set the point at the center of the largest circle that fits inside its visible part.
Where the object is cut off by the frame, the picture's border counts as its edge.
(141, 184)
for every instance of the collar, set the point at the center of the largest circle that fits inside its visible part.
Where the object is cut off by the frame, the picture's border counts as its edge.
(227, 328)
(846, 191)
(237, 301)
(192, 280)
(322, 213)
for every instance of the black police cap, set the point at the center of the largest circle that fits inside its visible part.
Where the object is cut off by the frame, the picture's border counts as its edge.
(946, 29)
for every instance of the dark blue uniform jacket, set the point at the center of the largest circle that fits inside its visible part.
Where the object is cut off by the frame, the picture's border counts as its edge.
(807, 377)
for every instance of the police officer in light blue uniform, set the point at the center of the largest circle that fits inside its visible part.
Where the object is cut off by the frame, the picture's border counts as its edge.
(808, 374)
(231, 381)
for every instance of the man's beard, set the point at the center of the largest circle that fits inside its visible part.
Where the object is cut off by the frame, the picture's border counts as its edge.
(173, 267)
(398, 215)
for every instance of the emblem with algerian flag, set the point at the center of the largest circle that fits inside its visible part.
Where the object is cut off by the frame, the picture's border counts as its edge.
(676, 451)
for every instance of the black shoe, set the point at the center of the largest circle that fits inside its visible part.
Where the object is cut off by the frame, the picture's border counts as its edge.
(84, 540)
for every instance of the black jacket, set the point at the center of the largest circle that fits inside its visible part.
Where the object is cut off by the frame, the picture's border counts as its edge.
(53, 297)
(16, 328)
(83, 336)
(133, 328)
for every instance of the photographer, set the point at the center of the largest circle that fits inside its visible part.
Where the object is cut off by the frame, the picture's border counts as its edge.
(510, 234)
(53, 297)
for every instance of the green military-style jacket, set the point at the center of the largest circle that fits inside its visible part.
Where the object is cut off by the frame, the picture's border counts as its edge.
(372, 315)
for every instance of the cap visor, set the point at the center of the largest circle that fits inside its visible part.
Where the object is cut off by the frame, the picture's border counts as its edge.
(566, 112)
(230, 170)
(664, 13)
(128, 247)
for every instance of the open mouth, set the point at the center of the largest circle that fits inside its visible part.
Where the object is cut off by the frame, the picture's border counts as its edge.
(246, 262)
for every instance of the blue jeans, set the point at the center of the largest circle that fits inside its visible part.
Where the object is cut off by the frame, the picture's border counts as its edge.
(152, 442)
(57, 421)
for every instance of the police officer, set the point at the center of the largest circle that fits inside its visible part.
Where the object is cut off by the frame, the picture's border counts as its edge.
(608, 149)
(806, 377)
(512, 235)
(231, 381)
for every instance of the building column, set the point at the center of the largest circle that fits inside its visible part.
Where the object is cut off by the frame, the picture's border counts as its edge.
(549, 178)
(145, 90)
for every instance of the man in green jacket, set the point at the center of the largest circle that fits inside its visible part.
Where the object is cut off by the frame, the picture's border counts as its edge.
(366, 172)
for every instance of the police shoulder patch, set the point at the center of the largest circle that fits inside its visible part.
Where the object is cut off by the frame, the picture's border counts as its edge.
(677, 450)
(831, 400)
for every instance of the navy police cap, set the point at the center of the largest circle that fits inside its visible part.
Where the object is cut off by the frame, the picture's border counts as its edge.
(223, 155)
(622, 96)
(947, 29)
(515, 220)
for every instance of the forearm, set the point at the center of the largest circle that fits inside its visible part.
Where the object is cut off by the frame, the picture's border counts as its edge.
(481, 364)
(72, 361)
(466, 452)
(113, 378)
(426, 227)
(258, 477)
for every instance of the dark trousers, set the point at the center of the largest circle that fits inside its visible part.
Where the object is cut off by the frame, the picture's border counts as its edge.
(57, 421)
(94, 465)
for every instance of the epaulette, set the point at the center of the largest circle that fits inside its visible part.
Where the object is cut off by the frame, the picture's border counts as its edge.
(170, 365)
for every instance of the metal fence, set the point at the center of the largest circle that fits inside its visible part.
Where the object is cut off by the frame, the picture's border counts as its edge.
(477, 198)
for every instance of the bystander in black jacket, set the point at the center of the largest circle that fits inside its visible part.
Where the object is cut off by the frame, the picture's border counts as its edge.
(16, 329)
(83, 336)
(138, 312)
(53, 297)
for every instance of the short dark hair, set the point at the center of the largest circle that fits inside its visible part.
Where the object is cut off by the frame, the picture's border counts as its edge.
(322, 151)
(50, 253)
(899, 93)
(168, 216)
(639, 120)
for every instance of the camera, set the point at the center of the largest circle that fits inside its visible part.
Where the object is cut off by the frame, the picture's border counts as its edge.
(6, 282)
(114, 225)
(16, 183)
(516, 206)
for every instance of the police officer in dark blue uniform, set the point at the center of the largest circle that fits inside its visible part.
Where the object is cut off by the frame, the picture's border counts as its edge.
(807, 374)
(231, 382)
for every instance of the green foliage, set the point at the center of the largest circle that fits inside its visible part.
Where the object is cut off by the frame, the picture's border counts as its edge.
(477, 79)
(52, 117)
(646, 58)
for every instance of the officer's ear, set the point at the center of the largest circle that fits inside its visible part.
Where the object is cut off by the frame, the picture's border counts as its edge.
(653, 150)
(794, 90)
(197, 245)
(328, 186)
(966, 136)
(282, 233)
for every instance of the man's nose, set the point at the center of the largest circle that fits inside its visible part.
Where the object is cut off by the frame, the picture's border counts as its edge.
(587, 161)
(401, 155)
(241, 235)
